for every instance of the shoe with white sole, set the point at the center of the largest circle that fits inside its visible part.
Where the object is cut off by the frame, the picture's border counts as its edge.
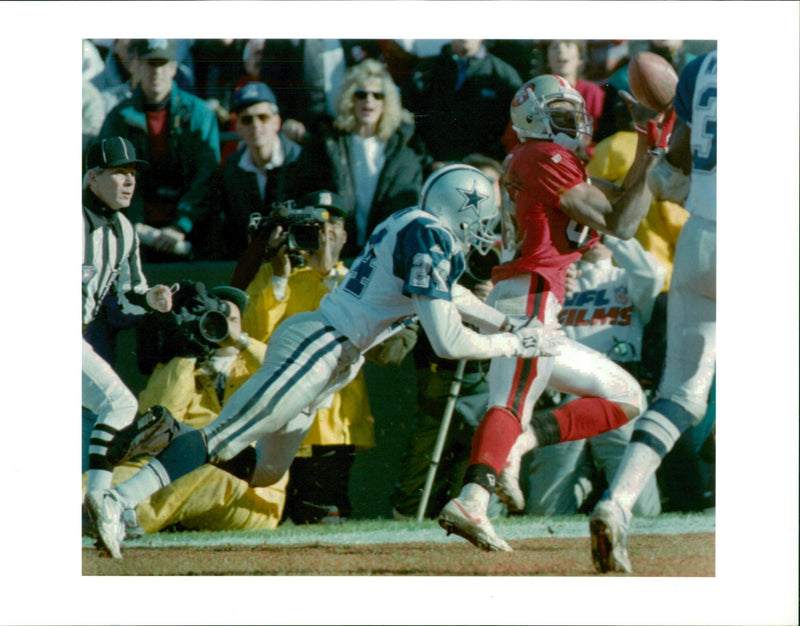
(608, 527)
(105, 509)
(457, 518)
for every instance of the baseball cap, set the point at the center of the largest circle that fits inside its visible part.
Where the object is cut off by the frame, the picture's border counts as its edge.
(326, 200)
(112, 152)
(251, 93)
(154, 49)
(237, 296)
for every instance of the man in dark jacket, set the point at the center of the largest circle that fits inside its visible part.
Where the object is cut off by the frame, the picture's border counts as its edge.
(461, 98)
(326, 164)
(255, 176)
(179, 136)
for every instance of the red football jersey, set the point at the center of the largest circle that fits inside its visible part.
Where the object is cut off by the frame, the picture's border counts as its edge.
(536, 174)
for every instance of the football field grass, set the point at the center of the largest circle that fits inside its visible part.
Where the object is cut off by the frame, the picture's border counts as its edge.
(671, 545)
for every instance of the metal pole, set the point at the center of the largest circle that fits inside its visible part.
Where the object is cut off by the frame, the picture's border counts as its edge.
(455, 389)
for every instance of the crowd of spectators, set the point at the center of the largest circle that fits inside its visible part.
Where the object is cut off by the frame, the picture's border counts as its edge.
(232, 126)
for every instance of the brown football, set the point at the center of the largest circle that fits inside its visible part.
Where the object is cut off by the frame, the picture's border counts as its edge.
(652, 80)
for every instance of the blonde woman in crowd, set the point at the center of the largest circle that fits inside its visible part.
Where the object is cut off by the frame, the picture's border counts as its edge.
(365, 154)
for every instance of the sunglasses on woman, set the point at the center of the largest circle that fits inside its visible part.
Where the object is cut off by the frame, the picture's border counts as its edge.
(362, 95)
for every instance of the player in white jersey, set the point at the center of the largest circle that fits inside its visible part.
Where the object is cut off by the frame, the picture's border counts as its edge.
(409, 268)
(688, 166)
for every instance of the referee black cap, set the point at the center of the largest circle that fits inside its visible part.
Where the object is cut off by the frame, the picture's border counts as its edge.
(112, 152)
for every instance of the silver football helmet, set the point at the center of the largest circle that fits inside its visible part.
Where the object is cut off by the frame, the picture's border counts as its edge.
(463, 199)
(533, 114)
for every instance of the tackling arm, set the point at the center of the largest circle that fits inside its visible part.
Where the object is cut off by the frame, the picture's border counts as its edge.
(475, 311)
(450, 339)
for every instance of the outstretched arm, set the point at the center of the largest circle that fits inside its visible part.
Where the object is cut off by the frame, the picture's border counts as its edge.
(617, 210)
(450, 339)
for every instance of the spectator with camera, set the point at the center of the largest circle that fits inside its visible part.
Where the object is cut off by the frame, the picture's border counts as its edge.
(304, 248)
(205, 358)
(256, 175)
(179, 136)
(368, 154)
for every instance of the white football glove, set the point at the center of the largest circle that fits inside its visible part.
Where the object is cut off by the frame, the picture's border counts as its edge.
(537, 339)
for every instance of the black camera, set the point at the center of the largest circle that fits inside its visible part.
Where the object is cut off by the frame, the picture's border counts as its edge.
(301, 224)
(199, 320)
(213, 325)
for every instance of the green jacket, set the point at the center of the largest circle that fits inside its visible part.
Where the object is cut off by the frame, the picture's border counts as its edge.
(191, 177)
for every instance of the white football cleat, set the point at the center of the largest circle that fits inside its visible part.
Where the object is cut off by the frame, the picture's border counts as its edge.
(608, 527)
(473, 525)
(105, 509)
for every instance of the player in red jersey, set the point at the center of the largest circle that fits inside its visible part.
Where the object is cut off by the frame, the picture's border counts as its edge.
(557, 215)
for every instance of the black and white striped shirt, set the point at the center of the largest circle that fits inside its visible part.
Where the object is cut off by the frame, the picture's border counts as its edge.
(110, 261)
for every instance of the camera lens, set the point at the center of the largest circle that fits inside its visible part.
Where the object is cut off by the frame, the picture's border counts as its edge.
(304, 237)
(213, 326)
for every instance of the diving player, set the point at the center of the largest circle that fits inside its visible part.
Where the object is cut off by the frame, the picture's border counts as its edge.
(409, 268)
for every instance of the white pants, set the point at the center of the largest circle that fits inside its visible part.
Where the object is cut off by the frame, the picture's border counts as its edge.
(517, 383)
(306, 362)
(105, 395)
(691, 319)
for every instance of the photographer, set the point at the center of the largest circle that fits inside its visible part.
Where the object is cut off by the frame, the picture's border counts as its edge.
(194, 384)
(294, 279)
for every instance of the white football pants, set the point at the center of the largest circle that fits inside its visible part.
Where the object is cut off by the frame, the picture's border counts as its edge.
(578, 370)
(307, 361)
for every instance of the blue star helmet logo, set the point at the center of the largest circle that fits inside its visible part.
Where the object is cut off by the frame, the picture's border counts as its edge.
(472, 198)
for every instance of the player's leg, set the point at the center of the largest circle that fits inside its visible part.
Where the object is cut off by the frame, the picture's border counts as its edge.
(301, 361)
(107, 397)
(605, 397)
(683, 394)
(514, 387)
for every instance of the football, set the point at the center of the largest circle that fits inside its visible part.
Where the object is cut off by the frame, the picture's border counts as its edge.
(652, 80)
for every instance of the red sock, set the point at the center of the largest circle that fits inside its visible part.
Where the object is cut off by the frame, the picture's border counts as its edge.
(494, 438)
(587, 417)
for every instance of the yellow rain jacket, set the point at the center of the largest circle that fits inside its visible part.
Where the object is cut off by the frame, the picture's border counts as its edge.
(207, 498)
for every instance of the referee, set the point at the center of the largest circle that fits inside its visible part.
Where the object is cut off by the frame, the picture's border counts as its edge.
(111, 265)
